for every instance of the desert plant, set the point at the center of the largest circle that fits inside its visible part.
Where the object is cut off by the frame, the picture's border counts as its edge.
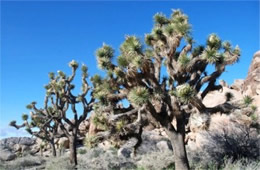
(90, 141)
(82, 151)
(138, 78)
(234, 142)
(247, 100)
(40, 124)
(58, 100)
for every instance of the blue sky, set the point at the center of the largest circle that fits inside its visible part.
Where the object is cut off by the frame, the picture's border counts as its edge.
(39, 37)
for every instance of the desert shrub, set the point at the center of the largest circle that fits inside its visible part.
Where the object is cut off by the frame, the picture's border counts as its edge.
(82, 151)
(97, 158)
(23, 163)
(90, 141)
(155, 160)
(228, 164)
(241, 164)
(247, 100)
(59, 163)
(233, 143)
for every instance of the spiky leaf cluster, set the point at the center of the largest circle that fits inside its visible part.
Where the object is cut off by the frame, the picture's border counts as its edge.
(24, 117)
(12, 123)
(211, 55)
(183, 60)
(100, 121)
(90, 141)
(247, 100)
(160, 19)
(131, 53)
(73, 64)
(226, 46)
(138, 96)
(104, 56)
(102, 91)
(131, 46)
(96, 80)
(237, 50)
(120, 124)
(214, 42)
(51, 75)
(185, 92)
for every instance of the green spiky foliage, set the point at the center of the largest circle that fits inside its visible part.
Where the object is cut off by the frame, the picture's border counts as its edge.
(254, 108)
(247, 100)
(100, 121)
(138, 74)
(183, 60)
(24, 117)
(214, 41)
(120, 124)
(104, 56)
(12, 123)
(138, 96)
(90, 141)
(185, 93)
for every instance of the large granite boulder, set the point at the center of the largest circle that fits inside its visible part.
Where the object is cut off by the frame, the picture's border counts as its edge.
(251, 85)
(10, 142)
(6, 154)
(10, 146)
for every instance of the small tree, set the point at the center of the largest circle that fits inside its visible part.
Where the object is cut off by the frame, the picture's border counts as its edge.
(54, 116)
(59, 91)
(42, 125)
(163, 99)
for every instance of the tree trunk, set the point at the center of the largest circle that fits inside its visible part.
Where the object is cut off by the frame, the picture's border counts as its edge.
(73, 149)
(180, 155)
(177, 140)
(53, 148)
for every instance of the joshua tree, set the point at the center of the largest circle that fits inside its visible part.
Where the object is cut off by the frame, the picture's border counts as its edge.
(59, 91)
(55, 116)
(163, 80)
(41, 125)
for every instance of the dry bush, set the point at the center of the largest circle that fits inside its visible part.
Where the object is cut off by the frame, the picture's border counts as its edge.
(23, 163)
(233, 142)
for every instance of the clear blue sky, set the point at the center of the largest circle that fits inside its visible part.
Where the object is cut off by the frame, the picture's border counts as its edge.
(39, 37)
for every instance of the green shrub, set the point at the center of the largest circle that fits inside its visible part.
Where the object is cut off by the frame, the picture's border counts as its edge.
(82, 151)
(247, 100)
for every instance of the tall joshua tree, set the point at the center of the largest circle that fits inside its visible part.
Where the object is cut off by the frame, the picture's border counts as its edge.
(42, 125)
(59, 91)
(163, 80)
(55, 114)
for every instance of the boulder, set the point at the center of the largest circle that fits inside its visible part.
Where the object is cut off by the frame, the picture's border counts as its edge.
(149, 142)
(237, 85)
(10, 142)
(127, 150)
(124, 152)
(252, 82)
(164, 146)
(6, 155)
(64, 142)
(218, 97)
(105, 145)
(27, 141)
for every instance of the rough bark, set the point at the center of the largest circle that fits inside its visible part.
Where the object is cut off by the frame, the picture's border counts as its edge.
(73, 149)
(180, 154)
(53, 148)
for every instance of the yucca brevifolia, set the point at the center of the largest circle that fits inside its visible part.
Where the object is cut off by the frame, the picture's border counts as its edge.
(163, 98)
(41, 124)
(59, 91)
